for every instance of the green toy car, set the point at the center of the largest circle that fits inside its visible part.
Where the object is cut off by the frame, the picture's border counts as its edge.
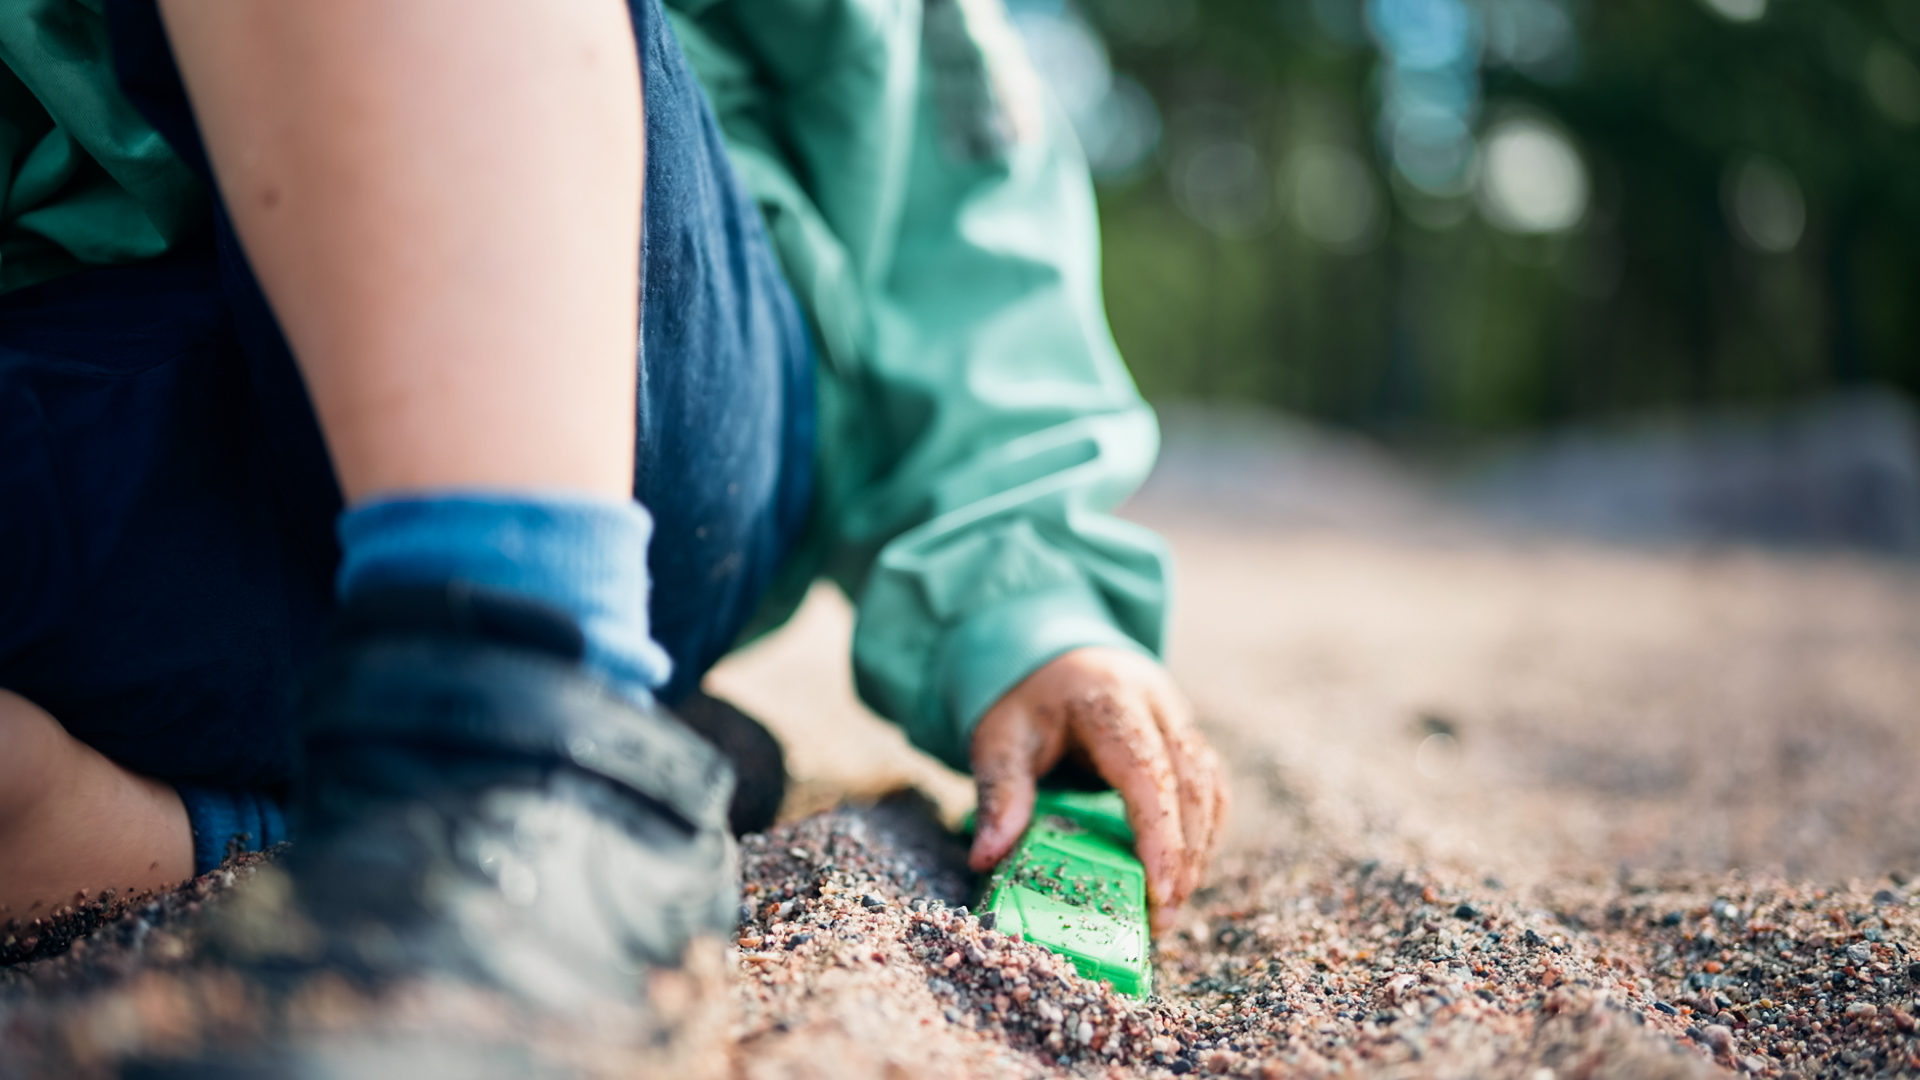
(1074, 885)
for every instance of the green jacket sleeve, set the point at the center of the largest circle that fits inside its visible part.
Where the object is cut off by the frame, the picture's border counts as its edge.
(977, 425)
(991, 335)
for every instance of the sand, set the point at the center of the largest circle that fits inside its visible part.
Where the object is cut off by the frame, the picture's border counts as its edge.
(1504, 807)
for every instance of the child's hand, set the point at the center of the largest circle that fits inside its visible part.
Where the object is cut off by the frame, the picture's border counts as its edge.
(1118, 712)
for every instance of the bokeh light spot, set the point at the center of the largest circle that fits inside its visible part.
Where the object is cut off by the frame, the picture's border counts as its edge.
(1532, 179)
(1113, 116)
(1764, 205)
(1424, 34)
(1332, 197)
(1432, 147)
(1120, 133)
(1893, 83)
(1535, 37)
(1430, 90)
(1222, 186)
(1068, 55)
(1737, 10)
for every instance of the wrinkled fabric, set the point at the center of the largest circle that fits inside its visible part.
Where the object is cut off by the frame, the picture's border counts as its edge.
(84, 179)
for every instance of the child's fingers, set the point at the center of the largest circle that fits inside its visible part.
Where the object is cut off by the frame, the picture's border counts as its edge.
(1006, 807)
(1124, 741)
(1198, 777)
(1007, 755)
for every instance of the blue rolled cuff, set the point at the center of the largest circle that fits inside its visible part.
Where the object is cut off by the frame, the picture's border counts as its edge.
(230, 821)
(582, 555)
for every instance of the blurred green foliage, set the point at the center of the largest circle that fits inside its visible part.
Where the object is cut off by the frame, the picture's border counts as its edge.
(1431, 319)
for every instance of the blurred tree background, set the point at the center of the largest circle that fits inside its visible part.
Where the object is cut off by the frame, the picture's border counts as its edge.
(1428, 217)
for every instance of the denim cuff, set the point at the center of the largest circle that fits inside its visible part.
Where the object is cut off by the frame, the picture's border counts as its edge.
(230, 821)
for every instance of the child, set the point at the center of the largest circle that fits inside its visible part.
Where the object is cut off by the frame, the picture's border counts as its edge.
(328, 314)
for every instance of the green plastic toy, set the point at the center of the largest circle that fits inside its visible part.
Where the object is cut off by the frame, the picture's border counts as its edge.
(1074, 885)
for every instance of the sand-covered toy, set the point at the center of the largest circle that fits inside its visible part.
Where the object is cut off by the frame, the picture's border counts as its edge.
(1074, 885)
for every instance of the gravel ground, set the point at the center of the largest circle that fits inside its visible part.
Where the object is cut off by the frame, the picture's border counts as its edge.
(856, 956)
(1534, 810)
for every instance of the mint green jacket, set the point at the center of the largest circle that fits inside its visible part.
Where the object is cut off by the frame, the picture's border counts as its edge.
(84, 181)
(977, 426)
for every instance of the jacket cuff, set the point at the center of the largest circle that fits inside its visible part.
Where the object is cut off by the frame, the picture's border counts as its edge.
(993, 650)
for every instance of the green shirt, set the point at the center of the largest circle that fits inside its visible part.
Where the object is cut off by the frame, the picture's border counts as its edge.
(932, 211)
